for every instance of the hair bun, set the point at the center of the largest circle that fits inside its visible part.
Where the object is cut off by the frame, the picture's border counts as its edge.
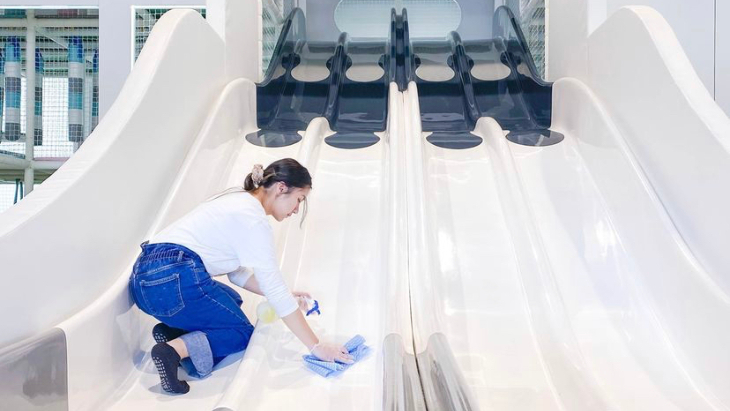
(257, 174)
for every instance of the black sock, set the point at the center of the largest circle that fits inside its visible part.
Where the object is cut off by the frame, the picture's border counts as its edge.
(167, 360)
(163, 333)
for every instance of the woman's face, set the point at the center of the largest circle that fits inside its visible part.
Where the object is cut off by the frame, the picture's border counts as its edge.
(287, 201)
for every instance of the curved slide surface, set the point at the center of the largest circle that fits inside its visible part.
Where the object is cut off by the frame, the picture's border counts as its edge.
(576, 276)
(178, 146)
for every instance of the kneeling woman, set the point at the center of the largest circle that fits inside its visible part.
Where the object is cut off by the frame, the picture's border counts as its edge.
(201, 318)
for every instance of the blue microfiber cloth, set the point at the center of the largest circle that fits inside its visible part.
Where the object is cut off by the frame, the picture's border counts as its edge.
(357, 348)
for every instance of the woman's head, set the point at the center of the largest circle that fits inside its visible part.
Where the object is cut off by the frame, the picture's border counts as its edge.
(281, 187)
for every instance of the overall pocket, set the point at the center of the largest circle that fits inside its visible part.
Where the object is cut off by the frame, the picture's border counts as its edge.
(162, 297)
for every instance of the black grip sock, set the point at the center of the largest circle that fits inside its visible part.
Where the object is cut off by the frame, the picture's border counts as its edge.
(163, 333)
(167, 360)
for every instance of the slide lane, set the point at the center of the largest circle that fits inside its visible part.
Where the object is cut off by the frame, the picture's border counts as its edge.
(630, 306)
(221, 157)
(468, 285)
(556, 275)
(340, 255)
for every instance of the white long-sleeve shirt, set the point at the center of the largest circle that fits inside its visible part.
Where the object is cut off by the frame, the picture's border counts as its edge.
(231, 232)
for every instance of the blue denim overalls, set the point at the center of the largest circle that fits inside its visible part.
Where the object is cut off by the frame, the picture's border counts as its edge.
(170, 283)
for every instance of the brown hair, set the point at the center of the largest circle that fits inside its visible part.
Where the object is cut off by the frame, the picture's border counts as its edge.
(287, 171)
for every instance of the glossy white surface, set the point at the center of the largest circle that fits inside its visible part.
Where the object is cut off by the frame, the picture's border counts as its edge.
(209, 164)
(567, 27)
(238, 23)
(696, 28)
(674, 314)
(342, 256)
(588, 275)
(722, 56)
(681, 139)
(349, 281)
(556, 273)
(465, 280)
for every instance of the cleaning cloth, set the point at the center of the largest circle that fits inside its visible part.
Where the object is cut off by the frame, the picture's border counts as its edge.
(356, 347)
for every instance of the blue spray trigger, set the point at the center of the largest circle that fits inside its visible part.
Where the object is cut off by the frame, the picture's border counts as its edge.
(314, 309)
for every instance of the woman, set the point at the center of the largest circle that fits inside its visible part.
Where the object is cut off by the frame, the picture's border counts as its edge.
(229, 234)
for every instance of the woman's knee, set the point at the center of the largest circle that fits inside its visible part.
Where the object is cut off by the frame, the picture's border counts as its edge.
(229, 341)
(244, 332)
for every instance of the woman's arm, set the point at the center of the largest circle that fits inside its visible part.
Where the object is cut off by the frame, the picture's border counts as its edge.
(295, 321)
(253, 285)
(258, 251)
(298, 325)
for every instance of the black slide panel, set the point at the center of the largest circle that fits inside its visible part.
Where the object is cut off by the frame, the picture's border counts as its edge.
(269, 92)
(441, 101)
(506, 87)
(363, 106)
(352, 95)
(535, 93)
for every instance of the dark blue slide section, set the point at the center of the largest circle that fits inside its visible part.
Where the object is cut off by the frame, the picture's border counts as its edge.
(344, 81)
(458, 81)
(461, 81)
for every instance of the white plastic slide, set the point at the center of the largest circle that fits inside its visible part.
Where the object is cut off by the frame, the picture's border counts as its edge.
(341, 255)
(176, 136)
(588, 275)
(68, 248)
(584, 275)
(348, 279)
(125, 171)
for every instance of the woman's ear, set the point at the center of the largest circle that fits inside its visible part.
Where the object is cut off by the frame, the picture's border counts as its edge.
(281, 188)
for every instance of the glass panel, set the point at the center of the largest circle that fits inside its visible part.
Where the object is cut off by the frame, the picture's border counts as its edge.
(432, 18)
(370, 18)
(145, 19)
(12, 69)
(532, 22)
(66, 80)
(274, 16)
(67, 89)
(7, 193)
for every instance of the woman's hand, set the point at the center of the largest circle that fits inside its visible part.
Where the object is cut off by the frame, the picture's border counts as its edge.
(324, 351)
(302, 297)
(332, 352)
(301, 294)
